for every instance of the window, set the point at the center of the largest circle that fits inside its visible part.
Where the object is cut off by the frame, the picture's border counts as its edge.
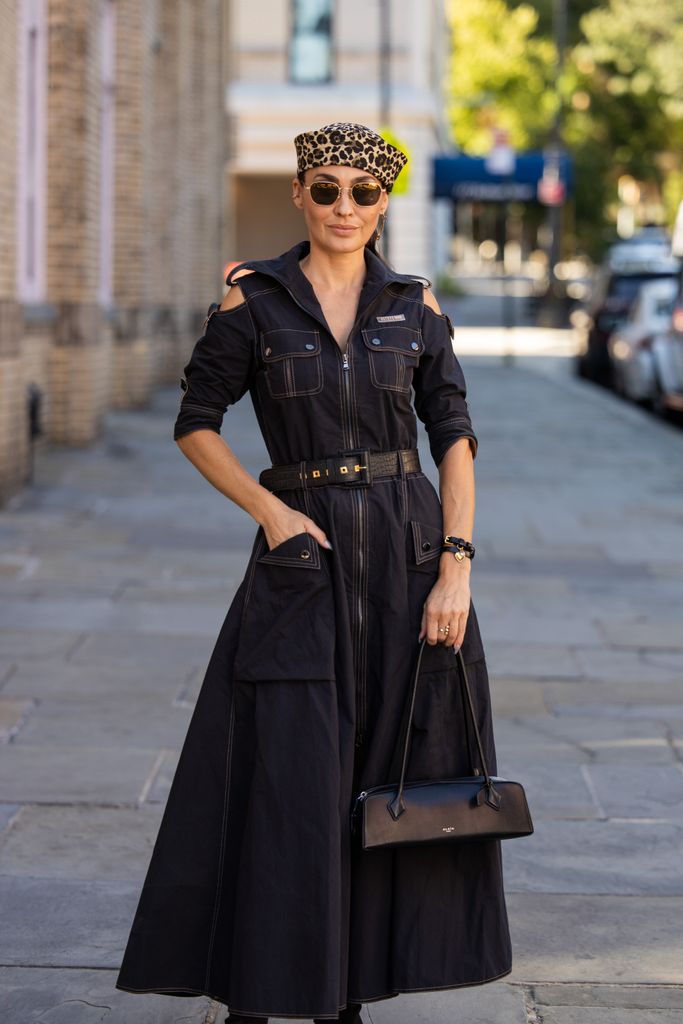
(31, 152)
(310, 50)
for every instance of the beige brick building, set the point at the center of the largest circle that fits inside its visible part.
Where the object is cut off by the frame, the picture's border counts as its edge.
(112, 205)
(294, 66)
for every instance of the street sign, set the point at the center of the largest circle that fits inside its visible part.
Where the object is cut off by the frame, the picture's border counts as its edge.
(467, 179)
(551, 191)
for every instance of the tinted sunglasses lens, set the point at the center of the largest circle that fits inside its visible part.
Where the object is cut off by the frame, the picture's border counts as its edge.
(366, 193)
(324, 193)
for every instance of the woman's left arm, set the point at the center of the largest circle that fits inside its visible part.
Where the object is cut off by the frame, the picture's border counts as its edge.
(441, 404)
(449, 599)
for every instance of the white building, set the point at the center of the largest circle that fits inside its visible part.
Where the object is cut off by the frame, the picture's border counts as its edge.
(299, 64)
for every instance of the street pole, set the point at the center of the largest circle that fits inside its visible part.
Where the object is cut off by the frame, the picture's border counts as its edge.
(555, 212)
(385, 85)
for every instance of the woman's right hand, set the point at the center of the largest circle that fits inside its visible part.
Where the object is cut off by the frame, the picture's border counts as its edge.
(286, 522)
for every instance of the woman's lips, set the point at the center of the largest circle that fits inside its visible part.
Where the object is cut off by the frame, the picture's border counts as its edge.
(342, 230)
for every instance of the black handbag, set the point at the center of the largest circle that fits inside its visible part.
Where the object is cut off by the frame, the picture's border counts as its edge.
(441, 810)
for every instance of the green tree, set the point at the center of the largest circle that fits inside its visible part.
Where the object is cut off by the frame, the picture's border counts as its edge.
(500, 74)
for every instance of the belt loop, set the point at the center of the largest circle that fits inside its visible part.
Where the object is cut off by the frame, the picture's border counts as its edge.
(401, 463)
(302, 473)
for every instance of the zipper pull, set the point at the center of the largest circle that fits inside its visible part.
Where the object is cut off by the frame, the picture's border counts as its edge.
(213, 308)
(345, 359)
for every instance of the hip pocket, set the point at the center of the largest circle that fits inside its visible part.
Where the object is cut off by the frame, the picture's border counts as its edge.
(288, 623)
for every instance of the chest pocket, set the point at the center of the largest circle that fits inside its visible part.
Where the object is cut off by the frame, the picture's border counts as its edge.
(393, 353)
(292, 361)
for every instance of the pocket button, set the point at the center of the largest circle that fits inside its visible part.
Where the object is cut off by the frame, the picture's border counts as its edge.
(305, 553)
(414, 345)
(376, 341)
(309, 346)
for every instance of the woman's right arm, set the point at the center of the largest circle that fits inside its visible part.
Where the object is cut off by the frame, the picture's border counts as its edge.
(216, 461)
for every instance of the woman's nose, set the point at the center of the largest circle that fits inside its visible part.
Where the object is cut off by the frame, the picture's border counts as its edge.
(344, 203)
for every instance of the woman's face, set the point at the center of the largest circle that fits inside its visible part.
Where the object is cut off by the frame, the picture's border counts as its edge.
(343, 226)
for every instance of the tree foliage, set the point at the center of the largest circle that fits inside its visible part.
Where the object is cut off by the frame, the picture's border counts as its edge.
(620, 93)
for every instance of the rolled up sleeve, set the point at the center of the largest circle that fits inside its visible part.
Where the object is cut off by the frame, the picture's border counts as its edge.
(219, 372)
(440, 388)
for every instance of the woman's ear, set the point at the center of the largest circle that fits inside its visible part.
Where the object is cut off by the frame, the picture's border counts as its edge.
(296, 193)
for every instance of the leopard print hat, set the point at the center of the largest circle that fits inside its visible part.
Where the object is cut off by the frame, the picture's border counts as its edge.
(352, 145)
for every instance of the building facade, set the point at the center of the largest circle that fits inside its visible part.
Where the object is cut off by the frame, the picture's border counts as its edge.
(297, 64)
(112, 207)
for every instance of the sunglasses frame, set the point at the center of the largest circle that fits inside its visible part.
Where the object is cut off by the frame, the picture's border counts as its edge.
(347, 188)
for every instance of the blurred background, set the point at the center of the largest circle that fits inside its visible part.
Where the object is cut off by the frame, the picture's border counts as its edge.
(147, 145)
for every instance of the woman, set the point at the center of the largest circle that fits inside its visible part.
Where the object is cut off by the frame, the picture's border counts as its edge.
(258, 893)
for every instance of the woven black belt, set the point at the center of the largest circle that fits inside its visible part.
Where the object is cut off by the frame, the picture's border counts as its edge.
(358, 467)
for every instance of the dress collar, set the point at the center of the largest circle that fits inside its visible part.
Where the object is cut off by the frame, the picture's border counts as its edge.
(285, 269)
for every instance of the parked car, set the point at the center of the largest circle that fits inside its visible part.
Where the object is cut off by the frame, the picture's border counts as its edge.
(634, 347)
(626, 270)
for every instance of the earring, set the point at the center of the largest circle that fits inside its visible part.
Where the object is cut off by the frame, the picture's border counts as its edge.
(379, 230)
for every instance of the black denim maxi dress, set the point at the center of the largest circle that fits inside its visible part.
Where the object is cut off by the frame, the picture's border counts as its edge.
(256, 893)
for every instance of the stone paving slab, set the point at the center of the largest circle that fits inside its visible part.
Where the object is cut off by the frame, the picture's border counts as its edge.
(105, 721)
(143, 650)
(589, 739)
(163, 777)
(531, 660)
(638, 633)
(515, 696)
(476, 1004)
(645, 997)
(81, 923)
(608, 1015)
(98, 615)
(30, 645)
(605, 857)
(67, 680)
(633, 939)
(7, 814)
(80, 842)
(62, 774)
(559, 790)
(630, 791)
(58, 996)
(12, 713)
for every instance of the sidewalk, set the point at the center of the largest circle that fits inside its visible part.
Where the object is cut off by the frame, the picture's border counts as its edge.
(116, 571)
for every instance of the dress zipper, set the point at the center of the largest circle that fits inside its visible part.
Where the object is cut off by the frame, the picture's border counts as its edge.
(349, 439)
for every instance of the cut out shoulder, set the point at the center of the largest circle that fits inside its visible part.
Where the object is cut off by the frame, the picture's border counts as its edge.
(234, 296)
(431, 301)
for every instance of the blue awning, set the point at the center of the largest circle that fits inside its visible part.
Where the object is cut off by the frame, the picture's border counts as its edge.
(467, 179)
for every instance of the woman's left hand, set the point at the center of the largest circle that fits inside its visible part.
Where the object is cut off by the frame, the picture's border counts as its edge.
(448, 604)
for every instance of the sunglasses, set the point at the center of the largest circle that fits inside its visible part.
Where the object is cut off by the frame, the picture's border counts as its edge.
(363, 193)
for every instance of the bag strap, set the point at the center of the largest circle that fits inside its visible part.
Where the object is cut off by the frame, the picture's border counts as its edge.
(487, 792)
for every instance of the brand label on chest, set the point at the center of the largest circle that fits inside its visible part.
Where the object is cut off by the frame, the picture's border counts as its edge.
(387, 319)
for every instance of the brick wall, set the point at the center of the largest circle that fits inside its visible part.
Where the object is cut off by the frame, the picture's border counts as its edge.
(116, 318)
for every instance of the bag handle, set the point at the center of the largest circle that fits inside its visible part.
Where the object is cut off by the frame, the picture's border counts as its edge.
(488, 791)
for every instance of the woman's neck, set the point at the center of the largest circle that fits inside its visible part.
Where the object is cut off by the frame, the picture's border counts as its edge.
(334, 271)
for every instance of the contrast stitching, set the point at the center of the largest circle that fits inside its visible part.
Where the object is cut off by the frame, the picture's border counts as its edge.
(221, 856)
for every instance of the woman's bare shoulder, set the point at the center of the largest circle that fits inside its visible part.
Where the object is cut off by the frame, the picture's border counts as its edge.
(235, 295)
(430, 301)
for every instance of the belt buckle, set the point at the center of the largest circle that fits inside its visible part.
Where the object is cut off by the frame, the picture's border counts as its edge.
(353, 468)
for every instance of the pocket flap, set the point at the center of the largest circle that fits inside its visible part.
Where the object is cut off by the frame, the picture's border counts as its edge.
(301, 550)
(427, 541)
(284, 342)
(394, 338)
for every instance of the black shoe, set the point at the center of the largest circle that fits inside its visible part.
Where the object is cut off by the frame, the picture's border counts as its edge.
(237, 1018)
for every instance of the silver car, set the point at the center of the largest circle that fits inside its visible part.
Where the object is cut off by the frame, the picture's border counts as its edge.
(645, 356)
